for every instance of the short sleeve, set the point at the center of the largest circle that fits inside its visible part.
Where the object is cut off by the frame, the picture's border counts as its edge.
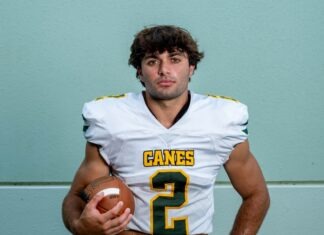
(240, 124)
(237, 129)
(94, 129)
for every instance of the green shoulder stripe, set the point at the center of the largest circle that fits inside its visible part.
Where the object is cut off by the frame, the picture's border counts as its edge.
(110, 96)
(223, 97)
(85, 128)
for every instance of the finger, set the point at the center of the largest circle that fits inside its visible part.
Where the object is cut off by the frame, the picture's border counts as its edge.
(122, 220)
(125, 218)
(119, 224)
(95, 200)
(114, 212)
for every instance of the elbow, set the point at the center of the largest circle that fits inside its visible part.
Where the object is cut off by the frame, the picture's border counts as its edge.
(260, 198)
(263, 200)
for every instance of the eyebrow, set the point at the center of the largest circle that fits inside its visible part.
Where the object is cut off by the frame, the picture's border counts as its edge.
(180, 53)
(149, 56)
(173, 53)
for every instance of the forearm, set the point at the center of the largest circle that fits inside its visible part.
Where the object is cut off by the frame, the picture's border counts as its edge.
(71, 210)
(251, 215)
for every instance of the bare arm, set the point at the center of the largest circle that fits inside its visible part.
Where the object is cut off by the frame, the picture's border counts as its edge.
(81, 218)
(246, 177)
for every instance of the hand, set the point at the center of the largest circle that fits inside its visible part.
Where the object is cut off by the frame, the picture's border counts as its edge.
(93, 222)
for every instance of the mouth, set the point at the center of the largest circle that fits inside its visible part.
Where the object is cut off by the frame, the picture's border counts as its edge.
(165, 82)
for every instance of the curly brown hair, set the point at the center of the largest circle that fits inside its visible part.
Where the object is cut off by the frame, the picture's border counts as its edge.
(163, 38)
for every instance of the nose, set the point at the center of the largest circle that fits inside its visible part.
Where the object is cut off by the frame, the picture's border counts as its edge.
(164, 68)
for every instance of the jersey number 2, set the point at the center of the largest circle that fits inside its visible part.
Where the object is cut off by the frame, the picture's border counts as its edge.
(172, 186)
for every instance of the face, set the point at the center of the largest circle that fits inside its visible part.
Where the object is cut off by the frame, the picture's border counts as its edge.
(166, 75)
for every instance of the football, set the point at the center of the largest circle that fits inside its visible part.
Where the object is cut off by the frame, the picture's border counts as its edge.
(114, 191)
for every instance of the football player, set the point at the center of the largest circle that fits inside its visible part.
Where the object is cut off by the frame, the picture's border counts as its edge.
(168, 145)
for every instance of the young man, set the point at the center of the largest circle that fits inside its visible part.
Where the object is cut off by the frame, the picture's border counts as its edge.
(168, 144)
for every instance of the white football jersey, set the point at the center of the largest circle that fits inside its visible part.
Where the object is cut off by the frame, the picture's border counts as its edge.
(171, 171)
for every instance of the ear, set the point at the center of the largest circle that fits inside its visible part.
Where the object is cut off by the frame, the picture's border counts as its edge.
(191, 70)
(139, 72)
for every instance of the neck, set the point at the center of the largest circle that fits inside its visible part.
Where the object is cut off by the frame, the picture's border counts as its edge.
(166, 111)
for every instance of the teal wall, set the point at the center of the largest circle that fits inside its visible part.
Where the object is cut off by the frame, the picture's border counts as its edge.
(56, 55)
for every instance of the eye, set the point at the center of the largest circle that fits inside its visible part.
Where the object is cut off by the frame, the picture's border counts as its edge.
(151, 62)
(175, 60)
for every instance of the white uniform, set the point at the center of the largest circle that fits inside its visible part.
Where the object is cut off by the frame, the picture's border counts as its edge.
(170, 171)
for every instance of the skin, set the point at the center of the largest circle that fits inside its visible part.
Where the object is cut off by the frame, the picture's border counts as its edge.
(246, 177)
(83, 219)
(166, 78)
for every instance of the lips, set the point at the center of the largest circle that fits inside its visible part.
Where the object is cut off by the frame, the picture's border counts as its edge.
(165, 82)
